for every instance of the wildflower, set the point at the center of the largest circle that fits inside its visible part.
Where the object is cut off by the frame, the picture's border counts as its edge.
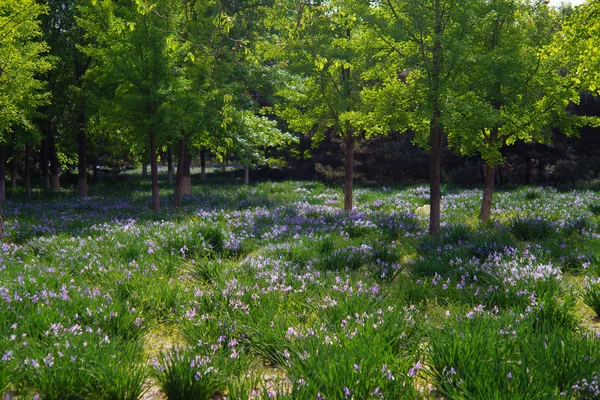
(347, 392)
(416, 367)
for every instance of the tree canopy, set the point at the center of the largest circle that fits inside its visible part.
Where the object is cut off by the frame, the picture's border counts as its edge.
(134, 79)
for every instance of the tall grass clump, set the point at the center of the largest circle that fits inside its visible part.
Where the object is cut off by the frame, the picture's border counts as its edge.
(200, 372)
(591, 294)
(526, 228)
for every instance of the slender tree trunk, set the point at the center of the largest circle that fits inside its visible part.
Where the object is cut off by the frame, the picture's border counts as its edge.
(54, 165)
(13, 170)
(26, 177)
(224, 163)
(186, 178)
(349, 173)
(2, 189)
(82, 153)
(488, 191)
(528, 169)
(95, 171)
(436, 134)
(154, 172)
(179, 176)
(170, 165)
(435, 190)
(542, 170)
(82, 166)
(145, 169)
(203, 165)
(183, 180)
(2, 173)
(246, 175)
(500, 175)
(43, 162)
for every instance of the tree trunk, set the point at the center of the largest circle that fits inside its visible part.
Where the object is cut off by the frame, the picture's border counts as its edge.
(186, 179)
(246, 175)
(13, 169)
(203, 165)
(528, 169)
(224, 163)
(179, 176)
(2, 173)
(82, 166)
(154, 172)
(26, 177)
(54, 166)
(145, 169)
(435, 190)
(170, 165)
(182, 180)
(349, 173)
(44, 175)
(82, 154)
(95, 171)
(500, 175)
(436, 134)
(488, 191)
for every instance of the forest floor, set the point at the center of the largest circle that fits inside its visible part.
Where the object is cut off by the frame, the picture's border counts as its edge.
(273, 291)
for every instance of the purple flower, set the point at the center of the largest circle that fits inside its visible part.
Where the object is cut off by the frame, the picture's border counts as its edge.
(416, 367)
(7, 356)
(347, 392)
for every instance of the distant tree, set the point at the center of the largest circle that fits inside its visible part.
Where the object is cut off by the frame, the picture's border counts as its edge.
(251, 136)
(577, 46)
(425, 46)
(22, 61)
(509, 91)
(63, 122)
(133, 69)
(321, 48)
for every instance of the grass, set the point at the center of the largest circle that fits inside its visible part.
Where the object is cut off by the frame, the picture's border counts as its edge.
(100, 296)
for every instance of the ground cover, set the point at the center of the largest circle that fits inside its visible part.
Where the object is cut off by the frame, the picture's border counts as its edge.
(271, 290)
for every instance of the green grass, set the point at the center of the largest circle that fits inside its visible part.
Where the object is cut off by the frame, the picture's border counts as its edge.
(247, 283)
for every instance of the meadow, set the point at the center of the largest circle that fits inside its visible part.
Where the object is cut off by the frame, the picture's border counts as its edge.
(272, 291)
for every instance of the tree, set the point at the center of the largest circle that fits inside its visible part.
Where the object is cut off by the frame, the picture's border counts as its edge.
(251, 136)
(133, 69)
(425, 42)
(22, 61)
(509, 91)
(63, 122)
(321, 48)
(577, 46)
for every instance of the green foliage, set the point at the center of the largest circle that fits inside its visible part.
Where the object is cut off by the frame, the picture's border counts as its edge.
(324, 56)
(21, 63)
(183, 374)
(591, 294)
(595, 208)
(576, 45)
(532, 229)
(496, 356)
